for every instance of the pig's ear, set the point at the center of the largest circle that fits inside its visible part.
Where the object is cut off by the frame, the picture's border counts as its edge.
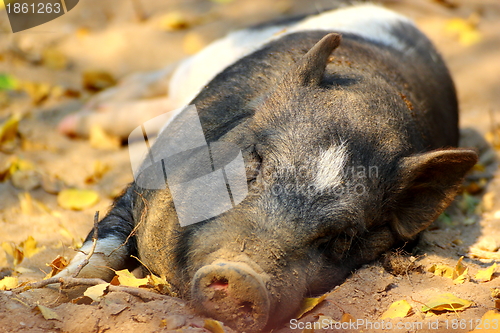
(429, 182)
(311, 67)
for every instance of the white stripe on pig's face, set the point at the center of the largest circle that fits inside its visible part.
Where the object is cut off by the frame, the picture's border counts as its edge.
(331, 166)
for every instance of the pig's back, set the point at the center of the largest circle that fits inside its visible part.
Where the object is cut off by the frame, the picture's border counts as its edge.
(378, 46)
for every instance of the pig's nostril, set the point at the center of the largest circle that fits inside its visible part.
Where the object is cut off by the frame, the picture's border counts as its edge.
(246, 307)
(219, 284)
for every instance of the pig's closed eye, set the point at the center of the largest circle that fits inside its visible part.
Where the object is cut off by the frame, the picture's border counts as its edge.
(253, 165)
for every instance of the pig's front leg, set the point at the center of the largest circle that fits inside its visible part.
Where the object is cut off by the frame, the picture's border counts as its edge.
(115, 244)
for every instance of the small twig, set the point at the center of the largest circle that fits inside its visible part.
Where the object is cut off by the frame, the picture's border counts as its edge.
(92, 249)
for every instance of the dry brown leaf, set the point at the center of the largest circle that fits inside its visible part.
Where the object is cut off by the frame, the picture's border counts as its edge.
(77, 199)
(99, 139)
(57, 265)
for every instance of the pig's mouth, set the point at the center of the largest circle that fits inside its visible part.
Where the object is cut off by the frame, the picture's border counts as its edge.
(233, 293)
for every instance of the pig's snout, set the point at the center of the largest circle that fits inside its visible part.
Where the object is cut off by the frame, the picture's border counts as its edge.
(233, 293)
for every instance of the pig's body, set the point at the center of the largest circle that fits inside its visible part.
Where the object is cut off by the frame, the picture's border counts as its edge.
(344, 155)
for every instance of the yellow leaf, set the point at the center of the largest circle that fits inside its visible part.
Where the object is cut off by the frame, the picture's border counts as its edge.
(485, 275)
(97, 291)
(54, 59)
(57, 265)
(30, 247)
(77, 199)
(489, 323)
(465, 30)
(97, 80)
(347, 318)
(442, 270)
(192, 43)
(308, 304)
(173, 21)
(399, 309)
(38, 91)
(446, 302)
(125, 278)
(8, 129)
(8, 283)
(99, 139)
(459, 274)
(213, 326)
(47, 313)
(14, 255)
(161, 285)
(99, 170)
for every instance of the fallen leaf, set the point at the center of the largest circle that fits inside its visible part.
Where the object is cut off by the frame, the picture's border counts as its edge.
(8, 283)
(38, 91)
(26, 180)
(97, 291)
(489, 323)
(192, 43)
(57, 265)
(399, 309)
(99, 170)
(308, 304)
(459, 273)
(30, 247)
(465, 29)
(173, 21)
(8, 82)
(97, 80)
(485, 275)
(77, 199)
(347, 318)
(99, 139)
(82, 300)
(8, 129)
(446, 302)
(54, 59)
(161, 285)
(14, 255)
(125, 278)
(47, 313)
(214, 326)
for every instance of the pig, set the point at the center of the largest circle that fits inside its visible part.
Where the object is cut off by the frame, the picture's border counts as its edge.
(347, 124)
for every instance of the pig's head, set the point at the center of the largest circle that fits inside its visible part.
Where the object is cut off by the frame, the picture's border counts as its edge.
(327, 194)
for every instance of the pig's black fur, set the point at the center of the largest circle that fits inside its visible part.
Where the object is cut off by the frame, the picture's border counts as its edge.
(388, 107)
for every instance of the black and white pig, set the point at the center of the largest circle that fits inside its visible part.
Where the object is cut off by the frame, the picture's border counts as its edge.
(347, 122)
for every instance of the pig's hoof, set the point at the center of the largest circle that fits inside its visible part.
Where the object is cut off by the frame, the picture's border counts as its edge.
(233, 293)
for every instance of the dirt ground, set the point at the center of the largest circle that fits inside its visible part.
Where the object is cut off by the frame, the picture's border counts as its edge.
(115, 37)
